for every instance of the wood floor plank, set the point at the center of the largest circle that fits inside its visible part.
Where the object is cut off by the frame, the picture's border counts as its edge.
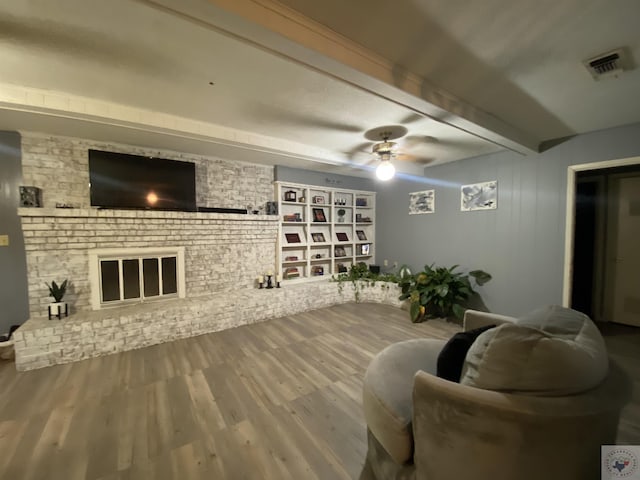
(276, 400)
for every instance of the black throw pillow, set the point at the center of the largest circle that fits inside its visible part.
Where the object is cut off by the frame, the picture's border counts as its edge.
(451, 358)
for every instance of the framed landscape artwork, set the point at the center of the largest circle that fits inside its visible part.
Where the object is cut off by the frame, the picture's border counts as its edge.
(479, 196)
(342, 237)
(317, 237)
(361, 235)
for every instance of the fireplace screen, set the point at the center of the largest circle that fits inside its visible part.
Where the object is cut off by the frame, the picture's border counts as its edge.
(128, 278)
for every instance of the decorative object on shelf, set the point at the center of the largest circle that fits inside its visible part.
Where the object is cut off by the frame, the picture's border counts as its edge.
(318, 215)
(318, 199)
(292, 237)
(278, 280)
(290, 196)
(339, 252)
(340, 201)
(317, 255)
(291, 258)
(361, 202)
(358, 217)
(272, 208)
(291, 272)
(30, 197)
(479, 196)
(260, 281)
(269, 280)
(317, 271)
(364, 249)
(58, 308)
(341, 212)
(422, 202)
(302, 200)
(342, 237)
(439, 292)
(318, 237)
(292, 217)
(361, 235)
(342, 268)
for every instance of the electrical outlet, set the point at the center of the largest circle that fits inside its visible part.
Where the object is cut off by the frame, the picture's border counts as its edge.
(4, 240)
(386, 262)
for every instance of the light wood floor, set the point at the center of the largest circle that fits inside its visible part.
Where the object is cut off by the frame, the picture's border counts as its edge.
(276, 400)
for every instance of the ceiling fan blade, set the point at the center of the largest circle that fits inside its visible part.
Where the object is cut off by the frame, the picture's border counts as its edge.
(280, 116)
(406, 157)
(362, 148)
(412, 117)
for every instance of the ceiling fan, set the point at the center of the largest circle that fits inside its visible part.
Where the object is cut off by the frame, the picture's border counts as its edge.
(385, 150)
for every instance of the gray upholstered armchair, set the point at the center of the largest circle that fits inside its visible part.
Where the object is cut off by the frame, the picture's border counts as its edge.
(537, 398)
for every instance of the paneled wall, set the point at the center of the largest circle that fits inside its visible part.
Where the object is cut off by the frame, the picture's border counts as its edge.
(522, 242)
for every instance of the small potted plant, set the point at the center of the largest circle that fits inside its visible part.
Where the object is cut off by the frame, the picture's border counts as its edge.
(58, 308)
(341, 213)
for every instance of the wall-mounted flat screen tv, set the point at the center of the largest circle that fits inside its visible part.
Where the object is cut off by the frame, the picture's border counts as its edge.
(120, 180)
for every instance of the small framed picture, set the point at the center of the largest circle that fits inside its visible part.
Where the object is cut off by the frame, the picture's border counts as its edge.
(318, 199)
(361, 235)
(291, 258)
(358, 217)
(317, 270)
(342, 268)
(318, 215)
(292, 237)
(342, 237)
(318, 237)
(339, 252)
(290, 196)
(364, 249)
(361, 202)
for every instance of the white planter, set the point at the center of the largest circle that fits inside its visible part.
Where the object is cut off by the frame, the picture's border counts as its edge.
(58, 309)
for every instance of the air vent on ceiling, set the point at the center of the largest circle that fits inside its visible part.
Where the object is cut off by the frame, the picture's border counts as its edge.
(610, 64)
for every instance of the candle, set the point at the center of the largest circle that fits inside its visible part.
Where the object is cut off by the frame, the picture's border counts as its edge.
(269, 273)
(278, 278)
(260, 279)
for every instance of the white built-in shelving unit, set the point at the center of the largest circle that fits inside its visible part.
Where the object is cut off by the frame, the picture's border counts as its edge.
(323, 231)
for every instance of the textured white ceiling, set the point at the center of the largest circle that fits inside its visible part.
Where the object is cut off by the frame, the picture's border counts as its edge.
(519, 61)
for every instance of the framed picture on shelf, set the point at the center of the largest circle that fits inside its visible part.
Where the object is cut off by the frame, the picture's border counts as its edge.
(339, 252)
(291, 258)
(361, 202)
(317, 270)
(290, 196)
(318, 215)
(292, 237)
(318, 237)
(361, 235)
(342, 268)
(364, 249)
(318, 199)
(342, 237)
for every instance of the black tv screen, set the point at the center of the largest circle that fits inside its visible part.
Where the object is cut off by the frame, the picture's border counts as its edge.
(120, 180)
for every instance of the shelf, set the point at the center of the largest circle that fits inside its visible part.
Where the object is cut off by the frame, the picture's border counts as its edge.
(330, 201)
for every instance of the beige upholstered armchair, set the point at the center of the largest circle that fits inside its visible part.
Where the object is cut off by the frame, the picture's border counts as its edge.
(536, 398)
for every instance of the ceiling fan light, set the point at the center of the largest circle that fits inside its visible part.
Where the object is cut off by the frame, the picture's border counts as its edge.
(385, 170)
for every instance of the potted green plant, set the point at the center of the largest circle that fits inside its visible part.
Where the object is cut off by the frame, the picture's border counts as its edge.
(58, 308)
(439, 291)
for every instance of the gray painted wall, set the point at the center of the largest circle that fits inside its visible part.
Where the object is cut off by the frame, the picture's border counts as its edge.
(14, 301)
(522, 242)
(308, 177)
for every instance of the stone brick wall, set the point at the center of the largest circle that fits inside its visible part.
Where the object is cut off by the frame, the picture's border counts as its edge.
(223, 252)
(40, 343)
(60, 167)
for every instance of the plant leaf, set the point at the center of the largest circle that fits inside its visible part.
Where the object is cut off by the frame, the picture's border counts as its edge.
(414, 311)
(480, 276)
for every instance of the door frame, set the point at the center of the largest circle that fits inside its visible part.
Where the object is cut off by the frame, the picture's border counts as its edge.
(572, 171)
